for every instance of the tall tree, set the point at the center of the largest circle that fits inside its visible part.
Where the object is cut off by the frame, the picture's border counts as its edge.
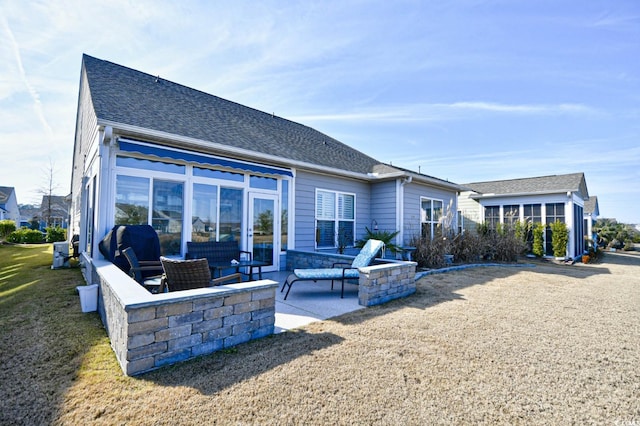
(49, 186)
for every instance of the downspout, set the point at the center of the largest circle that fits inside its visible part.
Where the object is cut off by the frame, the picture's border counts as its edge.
(400, 183)
(569, 218)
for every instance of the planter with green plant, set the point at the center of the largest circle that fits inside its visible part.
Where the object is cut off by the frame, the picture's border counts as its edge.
(385, 236)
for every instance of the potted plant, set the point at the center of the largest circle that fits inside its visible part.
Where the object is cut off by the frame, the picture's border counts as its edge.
(559, 239)
(385, 236)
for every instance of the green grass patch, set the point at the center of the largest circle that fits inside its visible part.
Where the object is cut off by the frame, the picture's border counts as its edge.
(45, 337)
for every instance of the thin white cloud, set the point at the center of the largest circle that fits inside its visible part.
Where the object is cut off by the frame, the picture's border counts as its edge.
(33, 93)
(533, 109)
(451, 111)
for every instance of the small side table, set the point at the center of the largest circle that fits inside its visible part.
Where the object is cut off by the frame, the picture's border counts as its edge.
(153, 284)
(407, 253)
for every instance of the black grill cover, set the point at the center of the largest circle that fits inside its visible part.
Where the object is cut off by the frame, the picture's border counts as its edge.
(141, 238)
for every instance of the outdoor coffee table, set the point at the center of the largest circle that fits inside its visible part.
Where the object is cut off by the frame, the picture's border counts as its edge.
(217, 268)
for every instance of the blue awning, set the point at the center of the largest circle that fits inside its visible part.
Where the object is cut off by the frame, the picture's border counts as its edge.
(191, 157)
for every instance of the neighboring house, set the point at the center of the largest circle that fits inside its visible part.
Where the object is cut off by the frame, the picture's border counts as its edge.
(591, 213)
(543, 199)
(28, 214)
(54, 211)
(194, 166)
(9, 205)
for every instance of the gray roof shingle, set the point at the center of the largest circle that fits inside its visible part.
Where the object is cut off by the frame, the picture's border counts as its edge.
(126, 96)
(5, 193)
(591, 206)
(574, 182)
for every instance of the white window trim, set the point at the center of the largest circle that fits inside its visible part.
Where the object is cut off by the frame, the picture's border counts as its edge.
(433, 223)
(336, 219)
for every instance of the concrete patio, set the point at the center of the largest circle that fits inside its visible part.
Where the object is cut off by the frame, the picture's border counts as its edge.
(310, 301)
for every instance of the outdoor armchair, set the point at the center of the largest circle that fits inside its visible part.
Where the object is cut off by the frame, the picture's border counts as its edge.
(339, 271)
(142, 270)
(191, 273)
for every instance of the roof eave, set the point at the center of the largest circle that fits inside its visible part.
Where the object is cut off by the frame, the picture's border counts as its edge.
(207, 146)
(479, 196)
(428, 180)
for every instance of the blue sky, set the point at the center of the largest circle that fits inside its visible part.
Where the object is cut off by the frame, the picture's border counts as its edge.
(462, 90)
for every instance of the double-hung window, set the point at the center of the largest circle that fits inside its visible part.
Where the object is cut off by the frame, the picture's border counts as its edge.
(492, 216)
(335, 219)
(511, 214)
(430, 216)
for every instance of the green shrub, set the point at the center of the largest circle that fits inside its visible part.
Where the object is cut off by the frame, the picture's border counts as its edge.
(538, 240)
(26, 236)
(6, 228)
(55, 234)
(559, 238)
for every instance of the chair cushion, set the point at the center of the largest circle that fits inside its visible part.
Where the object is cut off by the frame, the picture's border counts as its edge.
(325, 273)
(367, 253)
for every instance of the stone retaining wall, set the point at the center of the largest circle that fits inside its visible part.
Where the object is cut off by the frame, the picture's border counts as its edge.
(381, 282)
(148, 331)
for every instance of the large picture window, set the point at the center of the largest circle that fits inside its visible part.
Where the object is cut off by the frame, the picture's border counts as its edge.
(230, 214)
(132, 200)
(133, 206)
(335, 219)
(204, 213)
(167, 215)
(430, 216)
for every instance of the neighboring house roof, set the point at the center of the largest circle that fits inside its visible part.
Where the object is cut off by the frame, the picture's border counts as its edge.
(387, 171)
(59, 206)
(125, 96)
(591, 206)
(5, 193)
(573, 182)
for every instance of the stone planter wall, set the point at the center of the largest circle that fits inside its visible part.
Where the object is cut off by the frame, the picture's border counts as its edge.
(382, 283)
(148, 331)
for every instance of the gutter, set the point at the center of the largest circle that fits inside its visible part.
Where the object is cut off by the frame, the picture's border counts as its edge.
(214, 148)
(217, 148)
(517, 194)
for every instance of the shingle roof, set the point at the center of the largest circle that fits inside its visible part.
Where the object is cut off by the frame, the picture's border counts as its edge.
(5, 193)
(574, 182)
(591, 206)
(126, 96)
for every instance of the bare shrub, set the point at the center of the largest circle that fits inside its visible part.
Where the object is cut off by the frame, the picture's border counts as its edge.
(501, 245)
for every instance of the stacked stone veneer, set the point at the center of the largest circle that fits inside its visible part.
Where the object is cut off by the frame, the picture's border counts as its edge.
(381, 282)
(149, 331)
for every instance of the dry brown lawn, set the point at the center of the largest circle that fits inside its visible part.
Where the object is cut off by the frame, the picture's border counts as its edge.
(544, 345)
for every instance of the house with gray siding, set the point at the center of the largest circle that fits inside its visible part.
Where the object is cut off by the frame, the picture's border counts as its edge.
(198, 167)
(542, 199)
